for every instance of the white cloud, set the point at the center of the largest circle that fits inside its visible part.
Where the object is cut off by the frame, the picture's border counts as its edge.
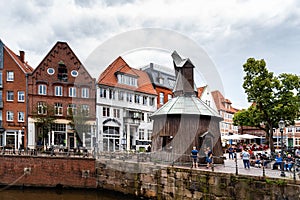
(230, 31)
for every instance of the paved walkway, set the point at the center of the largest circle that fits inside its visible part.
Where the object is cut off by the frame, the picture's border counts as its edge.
(230, 167)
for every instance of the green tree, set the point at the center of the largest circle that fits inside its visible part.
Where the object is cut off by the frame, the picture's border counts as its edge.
(43, 114)
(273, 98)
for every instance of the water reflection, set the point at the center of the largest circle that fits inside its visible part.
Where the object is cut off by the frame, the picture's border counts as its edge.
(52, 194)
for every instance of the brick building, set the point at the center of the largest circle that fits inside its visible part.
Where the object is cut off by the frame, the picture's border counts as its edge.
(61, 101)
(13, 110)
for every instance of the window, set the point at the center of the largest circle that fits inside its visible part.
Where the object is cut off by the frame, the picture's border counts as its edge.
(128, 80)
(62, 74)
(169, 97)
(74, 73)
(10, 96)
(21, 96)
(121, 95)
(58, 109)
(116, 113)
(141, 134)
(10, 76)
(161, 98)
(102, 92)
(151, 102)
(144, 100)
(58, 91)
(297, 129)
(20, 116)
(85, 109)
(72, 91)
(137, 98)
(42, 108)
(50, 71)
(9, 116)
(72, 110)
(1, 82)
(129, 97)
(42, 89)
(85, 92)
(112, 94)
(105, 112)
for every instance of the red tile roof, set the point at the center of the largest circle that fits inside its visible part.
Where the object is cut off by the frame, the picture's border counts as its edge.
(23, 65)
(220, 102)
(109, 78)
(200, 90)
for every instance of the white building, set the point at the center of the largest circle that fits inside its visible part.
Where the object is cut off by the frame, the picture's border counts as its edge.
(125, 100)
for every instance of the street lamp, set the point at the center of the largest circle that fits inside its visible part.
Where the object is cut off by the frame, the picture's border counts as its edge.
(281, 125)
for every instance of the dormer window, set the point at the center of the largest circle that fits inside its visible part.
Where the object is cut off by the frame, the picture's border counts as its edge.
(127, 80)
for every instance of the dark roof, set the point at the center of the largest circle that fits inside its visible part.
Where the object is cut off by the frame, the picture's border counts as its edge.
(160, 75)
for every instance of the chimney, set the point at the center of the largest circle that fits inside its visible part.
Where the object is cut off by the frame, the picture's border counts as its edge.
(22, 56)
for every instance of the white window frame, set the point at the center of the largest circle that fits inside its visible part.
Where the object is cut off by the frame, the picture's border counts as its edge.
(85, 92)
(20, 116)
(10, 97)
(9, 116)
(58, 109)
(21, 96)
(42, 89)
(72, 91)
(85, 109)
(161, 98)
(73, 108)
(58, 91)
(10, 76)
(42, 108)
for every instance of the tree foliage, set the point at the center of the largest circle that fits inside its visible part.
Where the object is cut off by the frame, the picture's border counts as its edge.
(273, 98)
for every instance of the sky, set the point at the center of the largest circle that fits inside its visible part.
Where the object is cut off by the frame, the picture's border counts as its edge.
(229, 32)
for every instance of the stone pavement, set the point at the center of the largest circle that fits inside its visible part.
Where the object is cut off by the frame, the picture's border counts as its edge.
(230, 167)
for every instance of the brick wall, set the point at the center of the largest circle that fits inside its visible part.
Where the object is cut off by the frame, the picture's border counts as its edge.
(47, 171)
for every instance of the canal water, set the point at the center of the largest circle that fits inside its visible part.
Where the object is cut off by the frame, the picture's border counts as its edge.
(64, 194)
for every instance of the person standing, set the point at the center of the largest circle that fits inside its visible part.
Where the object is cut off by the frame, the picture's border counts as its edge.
(246, 158)
(194, 155)
(230, 152)
(208, 157)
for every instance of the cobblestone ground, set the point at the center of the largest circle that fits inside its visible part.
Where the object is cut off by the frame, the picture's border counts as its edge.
(230, 167)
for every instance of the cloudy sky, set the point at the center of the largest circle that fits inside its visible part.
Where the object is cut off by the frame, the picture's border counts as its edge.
(228, 31)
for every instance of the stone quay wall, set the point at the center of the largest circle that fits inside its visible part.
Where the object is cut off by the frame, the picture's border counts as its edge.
(169, 183)
(47, 171)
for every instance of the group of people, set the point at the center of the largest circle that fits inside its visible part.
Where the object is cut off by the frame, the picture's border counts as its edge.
(195, 157)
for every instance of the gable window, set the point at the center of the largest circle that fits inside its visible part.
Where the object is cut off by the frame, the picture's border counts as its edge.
(58, 91)
(10, 95)
(42, 108)
(72, 110)
(21, 96)
(72, 91)
(20, 116)
(10, 76)
(42, 89)
(85, 92)
(62, 72)
(85, 109)
(9, 116)
(58, 109)
(127, 80)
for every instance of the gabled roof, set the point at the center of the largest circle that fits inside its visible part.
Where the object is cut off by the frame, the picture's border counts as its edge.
(186, 106)
(23, 65)
(220, 102)
(109, 78)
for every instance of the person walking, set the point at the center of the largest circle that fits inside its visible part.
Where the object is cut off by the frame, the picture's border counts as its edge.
(194, 155)
(208, 157)
(230, 152)
(246, 158)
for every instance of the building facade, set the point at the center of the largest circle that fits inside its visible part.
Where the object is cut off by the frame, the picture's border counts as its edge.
(61, 102)
(13, 102)
(163, 81)
(125, 100)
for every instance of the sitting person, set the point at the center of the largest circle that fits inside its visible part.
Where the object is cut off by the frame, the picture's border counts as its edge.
(278, 161)
(289, 162)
